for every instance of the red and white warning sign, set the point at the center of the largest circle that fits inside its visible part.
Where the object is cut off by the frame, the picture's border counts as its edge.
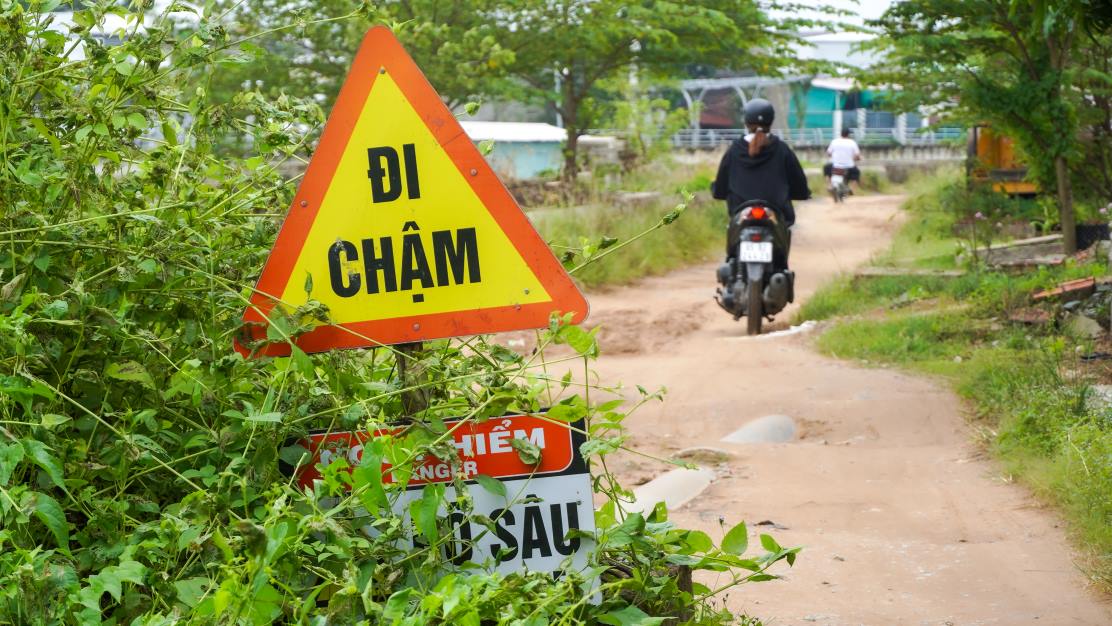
(484, 448)
(542, 502)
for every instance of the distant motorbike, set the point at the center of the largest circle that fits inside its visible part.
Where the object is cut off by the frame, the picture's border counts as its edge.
(838, 187)
(750, 283)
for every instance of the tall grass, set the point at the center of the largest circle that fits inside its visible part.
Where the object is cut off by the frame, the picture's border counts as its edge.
(927, 238)
(698, 235)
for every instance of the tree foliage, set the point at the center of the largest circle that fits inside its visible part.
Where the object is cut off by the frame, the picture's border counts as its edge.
(454, 43)
(564, 50)
(559, 54)
(140, 455)
(1020, 65)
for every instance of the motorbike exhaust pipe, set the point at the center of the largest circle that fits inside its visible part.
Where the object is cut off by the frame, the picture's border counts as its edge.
(776, 293)
(725, 274)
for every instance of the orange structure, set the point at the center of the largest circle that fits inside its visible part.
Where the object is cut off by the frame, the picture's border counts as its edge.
(993, 161)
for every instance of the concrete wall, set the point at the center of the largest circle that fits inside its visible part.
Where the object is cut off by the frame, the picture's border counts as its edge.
(508, 111)
(897, 162)
(524, 160)
(889, 154)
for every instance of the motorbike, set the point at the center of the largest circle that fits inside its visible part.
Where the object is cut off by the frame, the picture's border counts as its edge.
(750, 283)
(838, 187)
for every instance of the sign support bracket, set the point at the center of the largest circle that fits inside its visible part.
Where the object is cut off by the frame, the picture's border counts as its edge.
(411, 373)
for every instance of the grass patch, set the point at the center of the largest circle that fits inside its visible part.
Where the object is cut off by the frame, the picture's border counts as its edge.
(991, 293)
(847, 296)
(911, 338)
(927, 238)
(1025, 388)
(698, 235)
(1026, 385)
(1051, 436)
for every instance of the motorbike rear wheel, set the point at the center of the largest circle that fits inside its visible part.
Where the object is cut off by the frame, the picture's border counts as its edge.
(754, 312)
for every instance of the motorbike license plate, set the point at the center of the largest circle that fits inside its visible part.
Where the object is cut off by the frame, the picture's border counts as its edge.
(755, 252)
(837, 180)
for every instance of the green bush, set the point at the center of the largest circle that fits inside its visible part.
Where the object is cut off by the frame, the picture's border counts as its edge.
(140, 455)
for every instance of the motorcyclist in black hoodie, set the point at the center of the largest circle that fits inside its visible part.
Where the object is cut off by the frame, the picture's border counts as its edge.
(760, 166)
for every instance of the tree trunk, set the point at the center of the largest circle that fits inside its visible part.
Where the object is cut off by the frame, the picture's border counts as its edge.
(571, 153)
(1065, 205)
(569, 109)
(1059, 55)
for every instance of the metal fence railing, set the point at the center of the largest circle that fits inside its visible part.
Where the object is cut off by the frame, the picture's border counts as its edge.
(873, 136)
(935, 136)
(806, 136)
(705, 138)
(711, 138)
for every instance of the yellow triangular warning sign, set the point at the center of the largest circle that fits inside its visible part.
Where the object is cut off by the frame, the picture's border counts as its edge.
(402, 226)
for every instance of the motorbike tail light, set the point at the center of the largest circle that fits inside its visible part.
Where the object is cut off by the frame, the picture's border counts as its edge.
(755, 237)
(757, 213)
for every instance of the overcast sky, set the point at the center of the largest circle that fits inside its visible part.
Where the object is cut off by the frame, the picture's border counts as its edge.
(867, 9)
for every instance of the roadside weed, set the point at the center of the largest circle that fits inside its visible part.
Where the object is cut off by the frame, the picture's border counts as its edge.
(141, 458)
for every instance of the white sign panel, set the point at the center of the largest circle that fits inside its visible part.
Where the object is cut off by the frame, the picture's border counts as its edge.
(531, 524)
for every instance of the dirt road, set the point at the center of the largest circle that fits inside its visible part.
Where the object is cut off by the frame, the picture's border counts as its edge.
(902, 519)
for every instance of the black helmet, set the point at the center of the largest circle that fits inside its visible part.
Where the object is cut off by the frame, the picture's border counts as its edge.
(760, 112)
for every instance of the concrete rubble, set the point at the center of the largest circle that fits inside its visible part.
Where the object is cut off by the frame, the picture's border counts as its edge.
(1031, 252)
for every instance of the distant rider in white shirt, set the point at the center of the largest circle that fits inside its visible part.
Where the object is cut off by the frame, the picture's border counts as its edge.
(844, 154)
